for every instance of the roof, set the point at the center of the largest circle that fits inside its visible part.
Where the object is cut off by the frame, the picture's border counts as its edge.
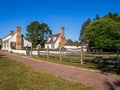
(69, 42)
(8, 35)
(8, 38)
(55, 35)
(52, 39)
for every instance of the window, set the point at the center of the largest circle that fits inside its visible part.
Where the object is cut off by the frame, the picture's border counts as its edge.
(52, 46)
(12, 45)
(7, 44)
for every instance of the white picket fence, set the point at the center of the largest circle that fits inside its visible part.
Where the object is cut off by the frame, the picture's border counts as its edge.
(24, 52)
(36, 52)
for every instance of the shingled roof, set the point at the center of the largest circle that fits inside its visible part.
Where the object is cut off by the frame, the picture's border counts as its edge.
(69, 42)
(11, 34)
(52, 39)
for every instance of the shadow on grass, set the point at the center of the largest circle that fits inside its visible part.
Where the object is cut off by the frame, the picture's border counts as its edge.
(2, 56)
(105, 64)
(111, 86)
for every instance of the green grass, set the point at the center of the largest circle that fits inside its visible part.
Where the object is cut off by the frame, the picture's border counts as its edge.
(22, 54)
(18, 76)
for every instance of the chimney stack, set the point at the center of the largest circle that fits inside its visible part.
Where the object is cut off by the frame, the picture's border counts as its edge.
(18, 38)
(62, 32)
(11, 32)
(62, 37)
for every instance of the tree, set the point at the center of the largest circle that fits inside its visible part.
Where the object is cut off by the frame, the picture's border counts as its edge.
(104, 33)
(113, 16)
(77, 43)
(82, 37)
(37, 33)
(97, 17)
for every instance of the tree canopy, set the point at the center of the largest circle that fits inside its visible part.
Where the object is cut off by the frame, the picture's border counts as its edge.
(104, 31)
(82, 37)
(37, 33)
(113, 16)
(97, 17)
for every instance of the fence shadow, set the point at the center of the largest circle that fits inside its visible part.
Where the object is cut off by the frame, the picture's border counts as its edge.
(2, 56)
(114, 85)
(110, 86)
(104, 63)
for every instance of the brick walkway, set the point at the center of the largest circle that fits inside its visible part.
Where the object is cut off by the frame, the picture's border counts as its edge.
(86, 77)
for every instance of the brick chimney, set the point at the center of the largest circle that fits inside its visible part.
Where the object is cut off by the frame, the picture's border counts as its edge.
(11, 32)
(62, 32)
(18, 38)
(62, 37)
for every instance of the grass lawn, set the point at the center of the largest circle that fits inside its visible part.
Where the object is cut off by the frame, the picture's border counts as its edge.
(18, 76)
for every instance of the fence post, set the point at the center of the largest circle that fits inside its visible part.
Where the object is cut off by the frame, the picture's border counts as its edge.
(27, 51)
(60, 54)
(39, 51)
(48, 52)
(31, 50)
(118, 59)
(81, 55)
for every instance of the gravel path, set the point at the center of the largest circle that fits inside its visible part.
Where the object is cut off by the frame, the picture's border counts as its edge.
(90, 78)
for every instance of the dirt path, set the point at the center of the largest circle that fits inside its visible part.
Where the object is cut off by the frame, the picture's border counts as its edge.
(86, 77)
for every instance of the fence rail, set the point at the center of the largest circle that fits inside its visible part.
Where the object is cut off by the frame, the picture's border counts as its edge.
(99, 60)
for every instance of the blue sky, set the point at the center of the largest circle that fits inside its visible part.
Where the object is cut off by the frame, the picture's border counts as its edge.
(56, 13)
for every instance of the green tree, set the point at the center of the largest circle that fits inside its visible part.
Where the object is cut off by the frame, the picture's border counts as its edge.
(97, 17)
(37, 33)
(113, 16)
(77, 43)
(104, 33)
(82, 37)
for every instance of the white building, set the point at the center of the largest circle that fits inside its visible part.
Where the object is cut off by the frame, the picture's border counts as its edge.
(70, 46)
(15, 41)
(58, 40)
(55, 41)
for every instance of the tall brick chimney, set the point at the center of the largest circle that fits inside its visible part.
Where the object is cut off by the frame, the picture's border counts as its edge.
(62, 32)
(62, 37)
(18, 38)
